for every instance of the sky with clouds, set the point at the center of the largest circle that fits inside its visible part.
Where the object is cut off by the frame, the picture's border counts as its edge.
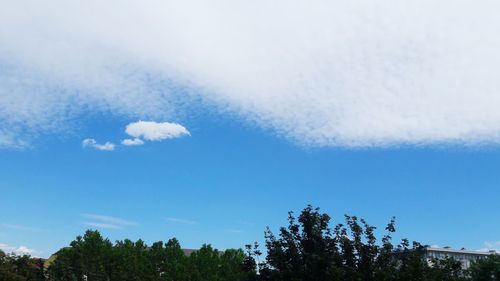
(105, 105)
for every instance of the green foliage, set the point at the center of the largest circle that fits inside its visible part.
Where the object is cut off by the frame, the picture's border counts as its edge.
(94, 258)
(20, 268)
(307, 249)
(486, 269)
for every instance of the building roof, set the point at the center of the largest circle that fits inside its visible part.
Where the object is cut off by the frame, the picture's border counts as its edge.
(454, 251)
(188, 252)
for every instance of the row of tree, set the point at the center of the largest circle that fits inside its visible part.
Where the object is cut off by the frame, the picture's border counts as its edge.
(308, 249)
(20, 268)
(93, 258)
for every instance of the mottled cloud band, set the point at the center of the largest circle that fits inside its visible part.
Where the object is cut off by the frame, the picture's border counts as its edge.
(328, 73)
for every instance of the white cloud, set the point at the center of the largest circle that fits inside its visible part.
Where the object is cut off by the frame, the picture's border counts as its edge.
(24, 250)
(344, 73)
(18, 227)
(491, 246)
(6, 248)
(8, 139)
(21, 250)
(108, 146)
(108, 222)
(132, 142)
(154, 131)
(181, 221)
(102, 225)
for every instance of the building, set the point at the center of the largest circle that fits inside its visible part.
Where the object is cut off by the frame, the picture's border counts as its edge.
(466, 257)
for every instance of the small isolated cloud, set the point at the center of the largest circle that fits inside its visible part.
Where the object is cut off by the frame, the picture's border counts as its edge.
(21, 250)
(181, 221)
(92, 143)
(132, 142)
(154, 131)
(108, 222)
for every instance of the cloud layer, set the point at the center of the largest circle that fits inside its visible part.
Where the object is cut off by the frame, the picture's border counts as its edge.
(342, 73)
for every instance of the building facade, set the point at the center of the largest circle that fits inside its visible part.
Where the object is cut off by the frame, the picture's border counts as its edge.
(466, 257)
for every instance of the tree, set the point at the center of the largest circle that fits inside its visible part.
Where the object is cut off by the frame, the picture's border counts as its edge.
(232, 265)
(65, 267)
(131, 261)
(175, 260)
(309, 250)
(94, 258)
(447, 269)
(204, 264)
(487, 269)
(6, 270)
(20, 268)
(306, 250)
(168, 260)
(252, 253)
(87, 258)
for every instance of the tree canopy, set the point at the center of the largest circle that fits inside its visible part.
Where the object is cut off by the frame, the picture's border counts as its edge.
(309, 248)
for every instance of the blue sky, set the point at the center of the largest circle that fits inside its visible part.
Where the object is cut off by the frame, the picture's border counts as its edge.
(227, 181)
(208, 121)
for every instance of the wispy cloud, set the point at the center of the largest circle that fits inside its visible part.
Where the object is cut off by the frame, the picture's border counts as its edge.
(19, 227)
(181, 221)
(235, 231)
(92, 143)
(108, 222)
(102, 225)
(246, 223)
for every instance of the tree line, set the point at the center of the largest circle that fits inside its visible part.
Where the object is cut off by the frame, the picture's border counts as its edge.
(309, 248)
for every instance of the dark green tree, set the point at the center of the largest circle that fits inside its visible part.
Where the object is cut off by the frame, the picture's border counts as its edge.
(309, 250)
(169, 261)
(131, 261)
(233, 265)
(87, 258)
(20, 268)
(94, 258)
(304, 251)
(487, 269)
(204, 264)
(447, 269)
